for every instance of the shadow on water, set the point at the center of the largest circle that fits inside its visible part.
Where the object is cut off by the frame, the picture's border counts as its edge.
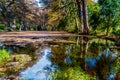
(95, 57)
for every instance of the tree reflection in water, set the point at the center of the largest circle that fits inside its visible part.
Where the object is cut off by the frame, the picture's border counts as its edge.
(94, 57)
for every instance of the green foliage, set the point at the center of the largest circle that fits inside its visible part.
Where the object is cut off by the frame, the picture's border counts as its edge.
(109, 14)
(104, 16)
(93, 15)
(63, 15)
(116, 66)
(20, 59)
(1, 74)
(62, 24)
(1, 27)
(4, 55)
(70, 73)
(116, 32)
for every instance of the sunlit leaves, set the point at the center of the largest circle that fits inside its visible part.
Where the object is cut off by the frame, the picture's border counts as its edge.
(4, 55)
(109, 13)
(70, 73)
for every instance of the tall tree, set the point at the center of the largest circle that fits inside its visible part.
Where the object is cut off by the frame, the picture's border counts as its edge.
(85, 17)
(79, 5)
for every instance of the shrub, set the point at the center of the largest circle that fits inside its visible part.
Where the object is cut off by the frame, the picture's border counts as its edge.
(70, 73)
(4, 55)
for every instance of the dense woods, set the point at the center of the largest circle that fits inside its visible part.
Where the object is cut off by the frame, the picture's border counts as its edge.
(78, 16)
(86, 16)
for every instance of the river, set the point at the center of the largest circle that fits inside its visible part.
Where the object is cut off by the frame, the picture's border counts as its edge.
(87, 59)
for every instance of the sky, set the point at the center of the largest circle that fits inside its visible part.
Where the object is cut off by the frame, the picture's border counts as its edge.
(42, 4)
(95, 0)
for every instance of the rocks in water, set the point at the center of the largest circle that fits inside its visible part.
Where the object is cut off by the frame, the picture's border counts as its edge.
(11, 77)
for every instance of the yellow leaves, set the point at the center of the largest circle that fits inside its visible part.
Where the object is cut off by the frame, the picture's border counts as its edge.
(54, 16)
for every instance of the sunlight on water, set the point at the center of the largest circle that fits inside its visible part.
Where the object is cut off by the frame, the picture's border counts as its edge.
(39, 71)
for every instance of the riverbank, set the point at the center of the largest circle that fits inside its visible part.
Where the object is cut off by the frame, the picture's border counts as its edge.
(38, 37)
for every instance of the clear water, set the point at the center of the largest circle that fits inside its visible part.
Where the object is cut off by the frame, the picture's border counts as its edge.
(95, 56)
(40, 70)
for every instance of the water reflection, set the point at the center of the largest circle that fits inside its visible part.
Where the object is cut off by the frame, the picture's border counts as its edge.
(40, 70)
(94, 56)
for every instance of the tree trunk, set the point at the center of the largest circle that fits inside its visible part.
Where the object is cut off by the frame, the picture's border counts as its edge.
(77, 25)
(80, 15)
(21, 25)
(7, 25)
(85, 17)
(6, 28)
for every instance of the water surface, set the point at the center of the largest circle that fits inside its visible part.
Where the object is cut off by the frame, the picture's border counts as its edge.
(96, 58)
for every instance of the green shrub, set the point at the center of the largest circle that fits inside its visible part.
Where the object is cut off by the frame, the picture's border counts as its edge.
(4, 55)
(1, 74)
(70, 73)
(1, 27)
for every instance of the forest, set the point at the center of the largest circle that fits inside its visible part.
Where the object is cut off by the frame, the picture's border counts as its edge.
(82, 17)
(75, 39)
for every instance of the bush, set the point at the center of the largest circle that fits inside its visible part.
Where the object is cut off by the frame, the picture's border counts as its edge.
(71, 73)
(4, 55)
(1, 27)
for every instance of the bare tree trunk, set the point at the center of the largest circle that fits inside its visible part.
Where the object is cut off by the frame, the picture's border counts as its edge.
(6, 28)
(76, 20)
(80, 15)
(85, 51)
(7, 25)
(77, 24)
(21, 25)
(107, 32)
(85, 17)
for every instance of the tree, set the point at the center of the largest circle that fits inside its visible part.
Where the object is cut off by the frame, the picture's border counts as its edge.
(109, 14)
(94, 16)
(20, 13)
(85, 17)
(82, 9)
(73, 13)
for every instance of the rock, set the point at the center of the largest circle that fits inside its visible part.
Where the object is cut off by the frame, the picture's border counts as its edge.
(13, 63)
(2, 69)
(11, 77)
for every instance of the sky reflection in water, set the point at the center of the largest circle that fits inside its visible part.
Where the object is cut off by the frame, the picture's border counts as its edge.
(39, 71)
